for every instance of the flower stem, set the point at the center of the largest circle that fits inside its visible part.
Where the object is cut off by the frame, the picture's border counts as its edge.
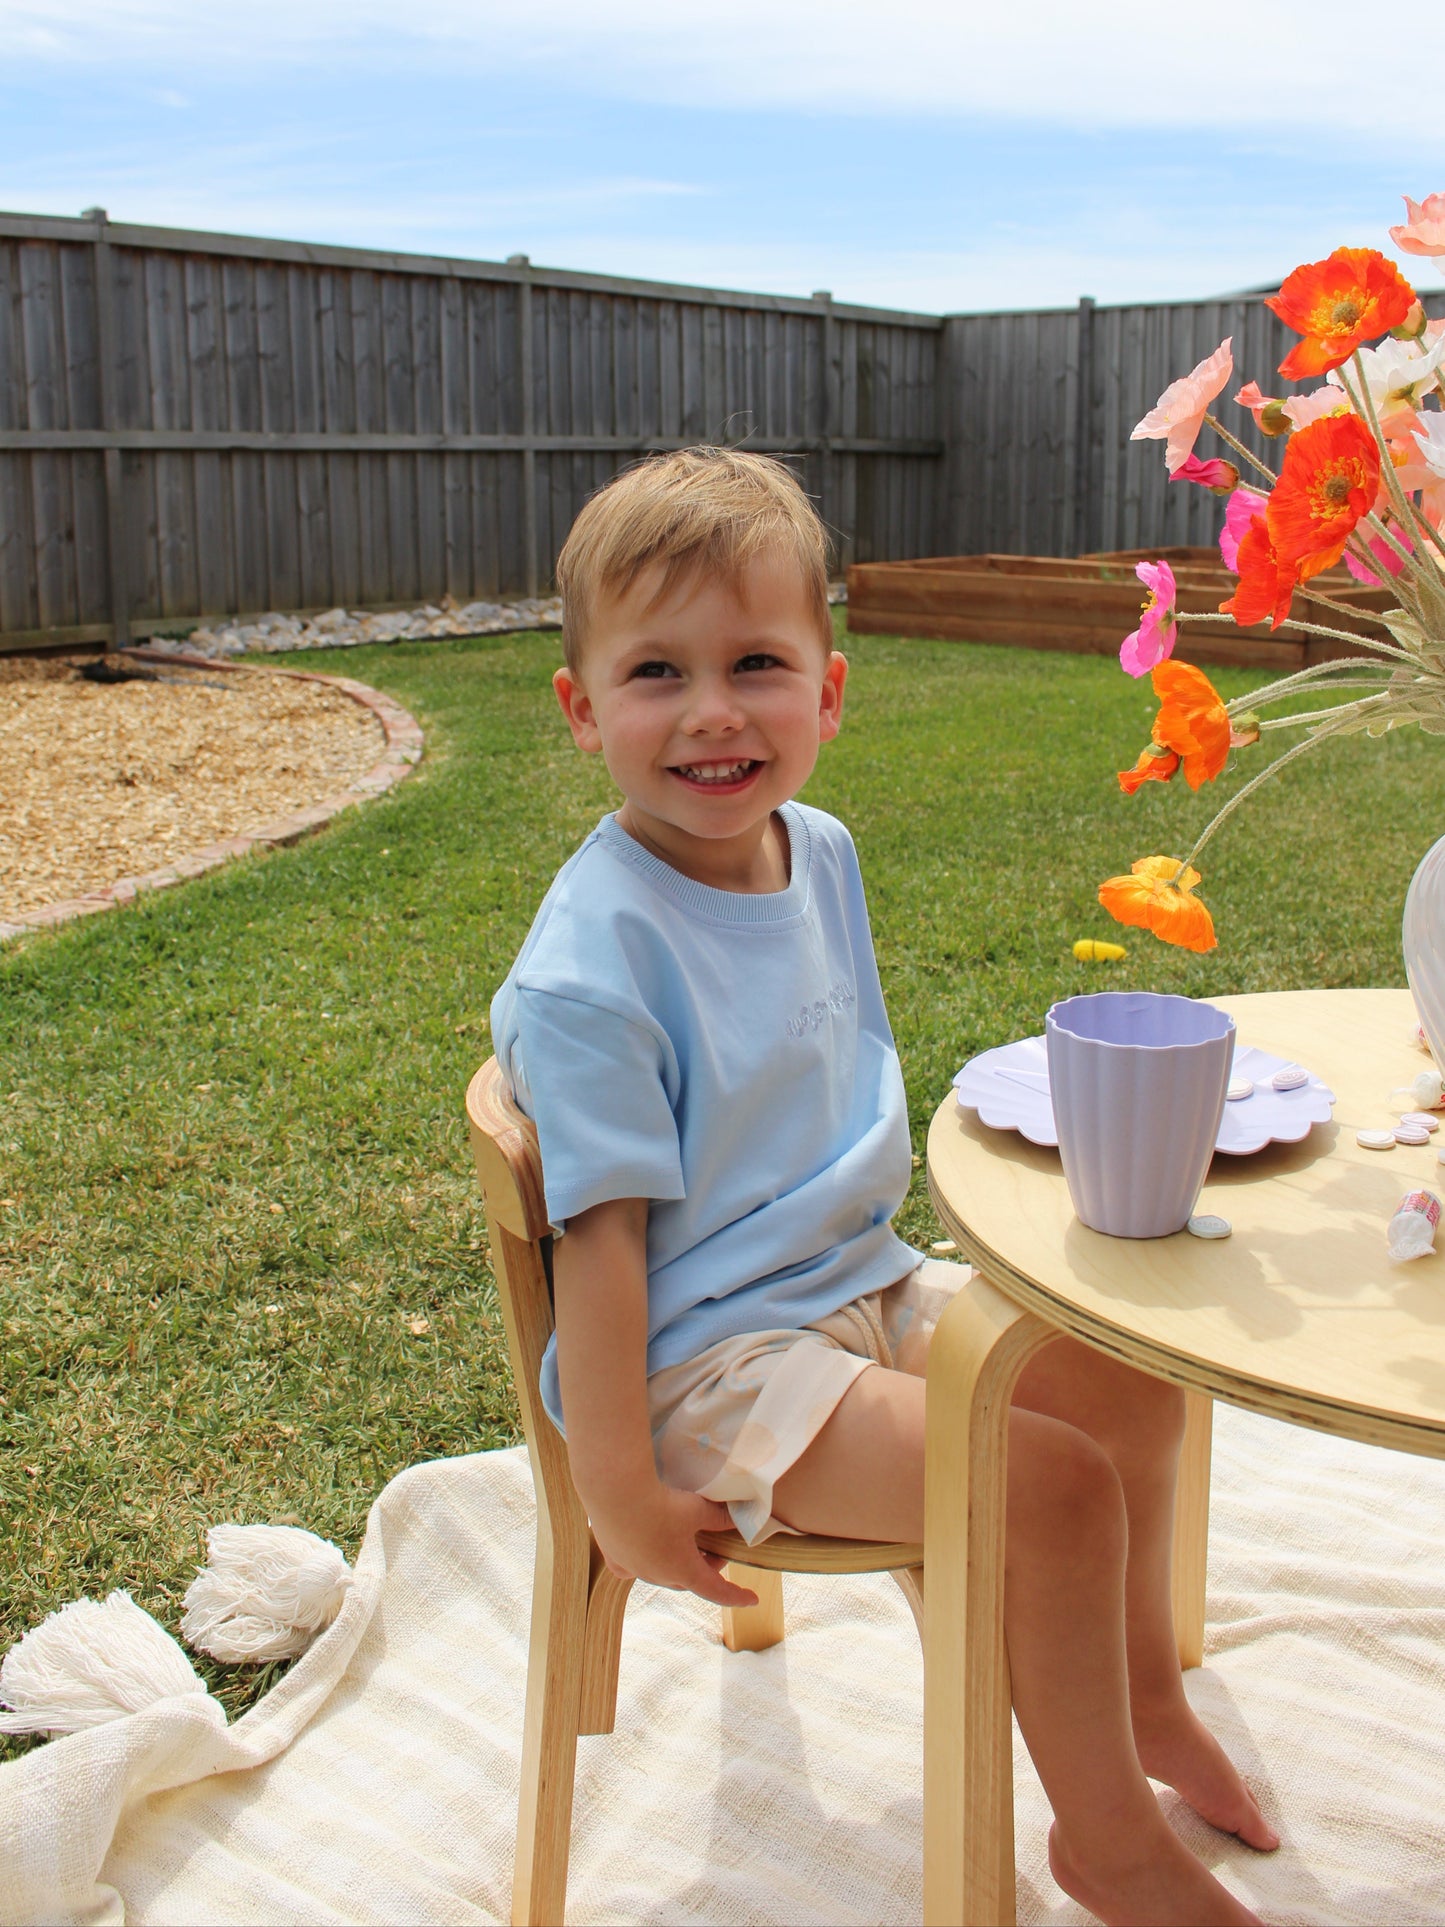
(1354, 706)
(1364, 405)
(1299, 749)
(1318, 676)
(1427, 588)
(1387, 534)
(1427, 528)
(1333, 602)
(1239, 447)
(1310, 628)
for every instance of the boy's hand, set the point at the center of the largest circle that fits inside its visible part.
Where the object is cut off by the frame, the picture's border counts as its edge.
(656, 1539)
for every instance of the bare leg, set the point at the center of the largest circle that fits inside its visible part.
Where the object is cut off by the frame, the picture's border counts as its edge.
(1139, 1422)
(1067, 1537)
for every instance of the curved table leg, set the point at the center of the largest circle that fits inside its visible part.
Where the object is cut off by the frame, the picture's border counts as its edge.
(982, 1343)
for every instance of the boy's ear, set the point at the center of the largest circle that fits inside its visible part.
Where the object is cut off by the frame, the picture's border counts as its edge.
(576, 707)
(830, 701)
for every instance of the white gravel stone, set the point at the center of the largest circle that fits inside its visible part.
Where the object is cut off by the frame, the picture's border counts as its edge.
(350, 628)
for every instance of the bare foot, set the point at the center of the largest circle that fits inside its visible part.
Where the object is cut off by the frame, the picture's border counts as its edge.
(1177, 1748)
(1166, 1888)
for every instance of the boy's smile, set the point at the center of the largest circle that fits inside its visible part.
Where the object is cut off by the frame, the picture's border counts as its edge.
(708, 705)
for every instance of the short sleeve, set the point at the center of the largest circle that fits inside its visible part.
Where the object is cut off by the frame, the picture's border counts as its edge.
(596, 1084)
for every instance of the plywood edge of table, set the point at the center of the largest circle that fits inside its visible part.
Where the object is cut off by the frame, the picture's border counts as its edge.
(1300, 1314)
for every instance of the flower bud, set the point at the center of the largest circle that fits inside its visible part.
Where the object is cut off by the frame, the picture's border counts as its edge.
(1413, 326)
(1244, 730)
(1273, 420)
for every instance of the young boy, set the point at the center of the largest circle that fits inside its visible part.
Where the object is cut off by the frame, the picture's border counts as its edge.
(696, 1025)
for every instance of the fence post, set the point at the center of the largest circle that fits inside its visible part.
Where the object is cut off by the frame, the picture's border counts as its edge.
(1084, 425)
(828, 424)
(944, 538)
(529, 423)
(105, 340)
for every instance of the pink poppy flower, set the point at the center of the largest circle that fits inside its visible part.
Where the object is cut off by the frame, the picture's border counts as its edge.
(1384, 554)
(1424, 232)
(1178, 415)
(1244, 505)
(1220, 476)
(1154, 639)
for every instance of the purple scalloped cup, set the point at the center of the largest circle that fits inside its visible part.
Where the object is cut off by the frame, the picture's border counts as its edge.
(1138, 1082)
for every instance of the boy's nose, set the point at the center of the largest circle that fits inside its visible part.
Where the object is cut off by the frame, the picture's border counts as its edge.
(714, 707)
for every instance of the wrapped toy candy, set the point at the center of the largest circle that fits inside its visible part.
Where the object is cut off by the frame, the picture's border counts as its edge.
(1425, 1093)
(1412, 1229)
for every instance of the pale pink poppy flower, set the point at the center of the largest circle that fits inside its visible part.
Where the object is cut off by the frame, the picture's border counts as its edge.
(1411, 469)
(1315, 404)
(1221, 476)
(1178, 415)
(1431, 438)
(1251, 398)
(1424, 232)
(1268, 415)
(1243, 506)
(1153, 640)
(1389, 560)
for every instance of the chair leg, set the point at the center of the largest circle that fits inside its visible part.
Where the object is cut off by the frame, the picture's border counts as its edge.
(602, 1646)
(910, 1584)
(549, 1730)
(982, 1343)
(1190, 1560)
(752, 1629)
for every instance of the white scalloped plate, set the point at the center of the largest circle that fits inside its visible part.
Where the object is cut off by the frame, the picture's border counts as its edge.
(1009, 1089)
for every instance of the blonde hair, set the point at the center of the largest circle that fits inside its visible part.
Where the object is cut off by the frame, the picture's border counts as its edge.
(711, 510)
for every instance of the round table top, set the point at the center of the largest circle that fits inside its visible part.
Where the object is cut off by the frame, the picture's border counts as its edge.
(1301, 1313)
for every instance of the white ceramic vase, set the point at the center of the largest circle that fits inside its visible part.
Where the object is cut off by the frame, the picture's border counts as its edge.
(1422, 936)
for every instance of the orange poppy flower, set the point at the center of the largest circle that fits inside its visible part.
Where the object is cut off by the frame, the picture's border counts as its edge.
(1150, 898)
(1153, 766)
(1338, 303)
(1327, 483)
(1192, 720)
(1266, 584)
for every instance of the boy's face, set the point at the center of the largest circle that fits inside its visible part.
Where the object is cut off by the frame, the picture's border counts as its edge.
(708, 708)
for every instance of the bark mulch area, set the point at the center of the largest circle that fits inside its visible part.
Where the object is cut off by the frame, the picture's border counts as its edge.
(102, 781)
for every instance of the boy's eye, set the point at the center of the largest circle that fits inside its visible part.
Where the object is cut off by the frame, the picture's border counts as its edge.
(654, 669)
(760, 659)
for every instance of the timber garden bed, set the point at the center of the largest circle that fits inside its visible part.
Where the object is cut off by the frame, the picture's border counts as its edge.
(1086, 604)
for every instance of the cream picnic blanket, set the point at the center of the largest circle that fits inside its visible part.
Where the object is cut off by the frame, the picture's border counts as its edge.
(377, 1782)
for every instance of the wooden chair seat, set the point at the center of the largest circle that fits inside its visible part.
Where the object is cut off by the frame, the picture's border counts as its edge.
(577, 1603)
(809, 1552)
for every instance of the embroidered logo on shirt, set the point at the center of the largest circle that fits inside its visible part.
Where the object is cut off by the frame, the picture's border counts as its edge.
(810, 1016)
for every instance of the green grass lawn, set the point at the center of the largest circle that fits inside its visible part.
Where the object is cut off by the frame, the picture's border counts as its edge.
(243, 1274)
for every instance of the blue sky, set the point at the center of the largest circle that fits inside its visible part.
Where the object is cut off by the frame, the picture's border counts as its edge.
(901, 152)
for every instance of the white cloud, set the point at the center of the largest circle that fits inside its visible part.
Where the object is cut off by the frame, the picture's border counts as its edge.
(1126, 63)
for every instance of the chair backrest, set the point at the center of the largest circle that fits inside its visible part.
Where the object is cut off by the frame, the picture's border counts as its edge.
(509, 1166)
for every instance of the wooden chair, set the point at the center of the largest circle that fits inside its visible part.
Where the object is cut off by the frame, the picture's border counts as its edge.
(577, 1604)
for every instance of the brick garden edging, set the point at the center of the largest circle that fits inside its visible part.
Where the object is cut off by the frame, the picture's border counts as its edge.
(404, 744)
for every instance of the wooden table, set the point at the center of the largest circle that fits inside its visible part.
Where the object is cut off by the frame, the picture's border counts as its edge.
(1299, 1315)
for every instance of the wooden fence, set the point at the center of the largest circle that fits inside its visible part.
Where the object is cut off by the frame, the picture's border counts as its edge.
(198, 425)
(1038, 409)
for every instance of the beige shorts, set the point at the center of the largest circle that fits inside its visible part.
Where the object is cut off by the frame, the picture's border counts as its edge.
(730, 1422)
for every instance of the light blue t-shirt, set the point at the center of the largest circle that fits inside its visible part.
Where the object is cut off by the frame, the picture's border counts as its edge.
(727, 1057)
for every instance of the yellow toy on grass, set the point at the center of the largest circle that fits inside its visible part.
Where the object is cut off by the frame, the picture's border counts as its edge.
(1091, 950)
